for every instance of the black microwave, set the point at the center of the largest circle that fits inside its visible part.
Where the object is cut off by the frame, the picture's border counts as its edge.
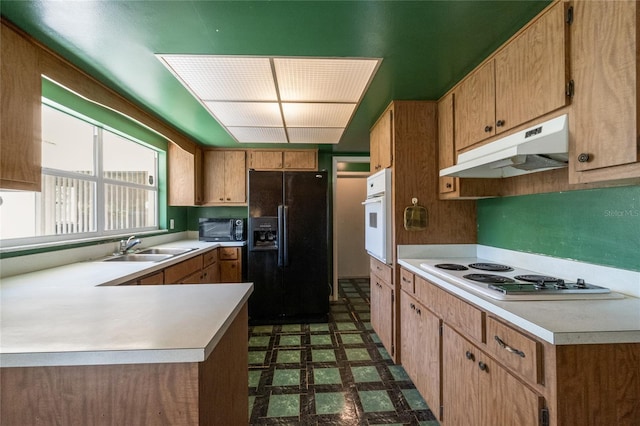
(221, 229)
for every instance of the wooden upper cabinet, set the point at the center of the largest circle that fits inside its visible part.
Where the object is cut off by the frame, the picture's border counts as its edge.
(225, 177)
(265, 160)
(446, 151)
(301, 160)
(20, 137)
(185, 171)
(381, 142)
(283, 160)
(531, 72)
(475, 107)
(604, 60)
(524, 80)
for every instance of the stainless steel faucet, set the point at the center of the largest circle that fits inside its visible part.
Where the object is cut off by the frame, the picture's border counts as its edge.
(125, 246)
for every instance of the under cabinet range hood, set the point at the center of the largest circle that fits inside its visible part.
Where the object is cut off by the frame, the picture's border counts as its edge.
(536, 149)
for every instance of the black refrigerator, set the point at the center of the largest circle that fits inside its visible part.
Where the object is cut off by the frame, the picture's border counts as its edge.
(288, 247)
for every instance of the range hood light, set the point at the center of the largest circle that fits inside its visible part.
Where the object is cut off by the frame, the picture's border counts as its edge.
(536, 149)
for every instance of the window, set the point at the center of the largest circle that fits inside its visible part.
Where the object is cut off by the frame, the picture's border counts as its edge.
(95, 183)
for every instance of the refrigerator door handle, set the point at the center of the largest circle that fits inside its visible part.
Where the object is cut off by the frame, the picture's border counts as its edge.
(285, 233)
(279, 238)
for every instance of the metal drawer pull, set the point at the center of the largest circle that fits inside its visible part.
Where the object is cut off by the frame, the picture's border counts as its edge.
(508, 348)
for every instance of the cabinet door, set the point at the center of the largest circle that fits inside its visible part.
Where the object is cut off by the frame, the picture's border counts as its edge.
(446, 152)
(265, 160)
(475, 107)
(301, 160)
(20, 137)
(235, 178)
(211, 274)
(505, 400)
(382, 312)
(381, 142)
(214, 162)
(225, 177)
(604, 37)
(531, 72)
(408, 336)
(230, 271)
(427, 356)
(460, 396)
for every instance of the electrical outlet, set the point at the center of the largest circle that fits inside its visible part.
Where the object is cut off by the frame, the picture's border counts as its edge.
(171, 224)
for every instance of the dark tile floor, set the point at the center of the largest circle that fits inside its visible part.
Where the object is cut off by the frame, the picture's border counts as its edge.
(335, 373)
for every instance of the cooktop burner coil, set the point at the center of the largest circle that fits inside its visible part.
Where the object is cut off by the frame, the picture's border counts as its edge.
(451, 266)
(536, 278)
(495, 267)
(489, 278)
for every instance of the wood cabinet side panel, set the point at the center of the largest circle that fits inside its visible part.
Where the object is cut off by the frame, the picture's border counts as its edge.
(446, 147)
(598, 384)
(415, 175)
(224, 377)
(20, 136)
(135, 394)
(181, 170)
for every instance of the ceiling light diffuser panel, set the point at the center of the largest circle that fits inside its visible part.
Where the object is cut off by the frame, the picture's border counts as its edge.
(276, 99)
(323, 79)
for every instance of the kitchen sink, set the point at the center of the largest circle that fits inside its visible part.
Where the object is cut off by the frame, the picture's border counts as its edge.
(161, 250)
(138, 257)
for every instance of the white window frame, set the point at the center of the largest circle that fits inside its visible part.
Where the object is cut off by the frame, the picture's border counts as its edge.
(100, 183)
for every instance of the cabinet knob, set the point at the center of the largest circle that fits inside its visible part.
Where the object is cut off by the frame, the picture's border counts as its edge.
(584, 157)
(499, 123)
(469, 355)
(413, 306)
(487, 129)
(448, 185)
(418, 311)
(228, 199)
(482, 366)
(221, 199)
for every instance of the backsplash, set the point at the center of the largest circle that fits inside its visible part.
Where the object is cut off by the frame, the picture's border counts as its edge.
(600, 226)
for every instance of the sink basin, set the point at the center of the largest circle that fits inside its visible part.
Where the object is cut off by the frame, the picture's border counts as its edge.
(137, 257)
(160, 250)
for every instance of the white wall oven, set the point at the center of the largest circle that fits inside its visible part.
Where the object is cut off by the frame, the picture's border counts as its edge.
(377, 210)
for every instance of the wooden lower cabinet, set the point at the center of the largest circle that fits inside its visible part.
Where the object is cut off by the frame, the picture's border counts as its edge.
(421, 345)
(230, 259)
(478, 391)
(382, 304)
(208, 393)
(472, 367)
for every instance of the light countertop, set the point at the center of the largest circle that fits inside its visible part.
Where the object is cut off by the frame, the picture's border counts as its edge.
(68, 316)
(560, 322)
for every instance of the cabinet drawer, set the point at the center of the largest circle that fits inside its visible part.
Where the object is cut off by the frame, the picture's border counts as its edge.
(465, 318)
(515, 350)
(153, 279)
(407, 281)
(209, 258)
(228, 253)
(381, 270)
(174, 274)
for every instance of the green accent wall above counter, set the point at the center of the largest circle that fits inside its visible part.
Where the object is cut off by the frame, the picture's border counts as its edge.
(600, 226)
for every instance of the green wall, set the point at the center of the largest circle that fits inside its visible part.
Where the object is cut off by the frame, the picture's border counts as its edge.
(600, 226)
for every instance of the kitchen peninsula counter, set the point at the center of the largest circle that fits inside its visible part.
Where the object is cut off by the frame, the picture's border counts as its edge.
(91, 353)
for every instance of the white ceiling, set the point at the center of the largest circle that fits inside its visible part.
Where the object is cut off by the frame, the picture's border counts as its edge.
(277, 99)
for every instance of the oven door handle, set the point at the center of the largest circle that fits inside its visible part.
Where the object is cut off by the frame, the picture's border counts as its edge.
(373, 200)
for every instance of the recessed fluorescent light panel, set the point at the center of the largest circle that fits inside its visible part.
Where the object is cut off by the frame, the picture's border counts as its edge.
(277, 99)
